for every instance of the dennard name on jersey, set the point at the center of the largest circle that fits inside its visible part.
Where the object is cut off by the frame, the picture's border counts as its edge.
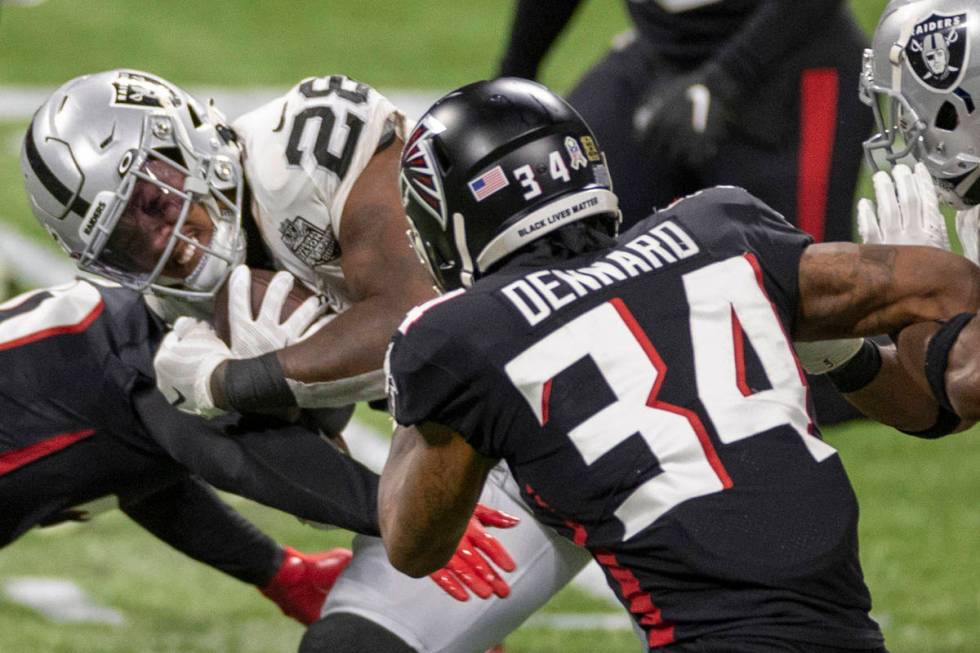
(538, 294)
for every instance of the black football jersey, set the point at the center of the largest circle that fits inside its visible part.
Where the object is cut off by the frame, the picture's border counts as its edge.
(649, 403)
(71, 354)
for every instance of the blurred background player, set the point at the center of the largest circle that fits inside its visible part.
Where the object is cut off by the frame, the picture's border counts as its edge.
(736, 92)
(142, 184)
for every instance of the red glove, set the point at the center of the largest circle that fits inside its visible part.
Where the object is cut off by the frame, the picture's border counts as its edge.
(303, 580)
(468, 568)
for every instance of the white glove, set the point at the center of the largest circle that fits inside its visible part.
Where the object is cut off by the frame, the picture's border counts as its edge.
(967, 225)
(825, 355)
(252, 337)
(908, 210)
(184, 364)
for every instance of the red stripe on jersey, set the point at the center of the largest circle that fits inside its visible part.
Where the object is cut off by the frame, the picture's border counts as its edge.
(638, 602)
(61, 329)
(818, 126)
(579, 534)
(653, 402)
(738, 339)
(12, 460)
(754, 262)
(545, 400)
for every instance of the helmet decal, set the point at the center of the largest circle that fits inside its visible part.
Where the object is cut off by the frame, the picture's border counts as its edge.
(488, 183)
(937, 49)
(419, 173)
(141, 90)
(575, 154)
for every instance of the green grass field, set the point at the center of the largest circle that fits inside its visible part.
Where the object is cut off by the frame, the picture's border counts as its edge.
(920, 523)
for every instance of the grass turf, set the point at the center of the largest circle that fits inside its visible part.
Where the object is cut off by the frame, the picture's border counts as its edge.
(919, 522)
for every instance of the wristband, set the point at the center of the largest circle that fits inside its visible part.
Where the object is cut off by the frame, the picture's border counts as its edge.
(859, 371)
(946, 423)
(257, 384)
(937, 356)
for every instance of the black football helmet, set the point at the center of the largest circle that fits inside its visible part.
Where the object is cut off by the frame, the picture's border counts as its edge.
(493, 166)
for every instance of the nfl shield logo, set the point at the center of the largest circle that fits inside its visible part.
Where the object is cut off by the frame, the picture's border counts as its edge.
(937, 49)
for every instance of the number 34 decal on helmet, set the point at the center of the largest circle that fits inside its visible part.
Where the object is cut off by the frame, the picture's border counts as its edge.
(476, 190)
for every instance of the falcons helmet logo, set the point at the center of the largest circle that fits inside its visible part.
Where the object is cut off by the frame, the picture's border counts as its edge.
(418, 170)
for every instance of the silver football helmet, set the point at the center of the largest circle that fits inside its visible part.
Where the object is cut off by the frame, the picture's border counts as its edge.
(99, 136)
(921, 78)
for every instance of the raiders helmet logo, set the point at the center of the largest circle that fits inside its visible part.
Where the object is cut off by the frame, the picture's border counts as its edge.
(137, 90)
(937, 49)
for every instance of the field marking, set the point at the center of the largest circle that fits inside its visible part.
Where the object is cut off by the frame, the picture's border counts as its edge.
(20, 102)
(60, 600)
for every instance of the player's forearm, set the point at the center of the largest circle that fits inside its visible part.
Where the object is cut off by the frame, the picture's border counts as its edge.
(895, 398)
(944, 361)
(851, 290)
(419, 528)
(338, 365)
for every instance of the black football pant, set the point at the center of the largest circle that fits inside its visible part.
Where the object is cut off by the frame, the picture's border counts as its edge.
(155, 492)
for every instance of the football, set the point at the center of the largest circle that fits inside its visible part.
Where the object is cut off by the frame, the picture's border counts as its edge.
(260, 281)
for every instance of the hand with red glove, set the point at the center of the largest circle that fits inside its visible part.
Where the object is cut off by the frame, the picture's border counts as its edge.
(303, 580)
(468, 568)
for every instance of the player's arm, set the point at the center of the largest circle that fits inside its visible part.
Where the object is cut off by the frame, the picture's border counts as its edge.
(382, 273)
(848, 290)
(941, 357)
(851, 290)
(341, 362)
(536, 25)
(428, 490)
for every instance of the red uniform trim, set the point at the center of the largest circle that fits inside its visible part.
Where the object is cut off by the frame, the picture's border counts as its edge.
(639, 603)
(579, 534)
(545, 401)
(77, 327)
(653, 402)
(739, 339)
(754, 262)
(12, 460)
(818, 128)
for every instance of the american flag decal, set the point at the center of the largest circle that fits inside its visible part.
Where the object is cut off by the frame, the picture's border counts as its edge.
(419, 172)
(488, 183)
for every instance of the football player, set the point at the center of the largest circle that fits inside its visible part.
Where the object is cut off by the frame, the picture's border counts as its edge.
(643, 390)
(923, 104)
(111, 432)
(143, 185)
(706, 92)
(82, 420)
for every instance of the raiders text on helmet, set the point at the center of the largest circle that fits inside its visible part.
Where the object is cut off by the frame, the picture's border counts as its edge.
(493, 166)
(922, 80)
(90, 143)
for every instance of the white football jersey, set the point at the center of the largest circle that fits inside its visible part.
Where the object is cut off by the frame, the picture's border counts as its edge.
(303, 152)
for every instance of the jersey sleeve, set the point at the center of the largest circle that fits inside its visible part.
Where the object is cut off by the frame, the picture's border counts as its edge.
(317, 139)
(729, 221)
(433, 375)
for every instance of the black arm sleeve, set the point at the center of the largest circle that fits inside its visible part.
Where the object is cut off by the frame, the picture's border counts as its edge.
(286, 467)
(191, 518)
(537, 23)
(774, 30)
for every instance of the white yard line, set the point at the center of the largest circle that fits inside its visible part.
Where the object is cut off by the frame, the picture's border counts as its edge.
(60, 600)
(20, 102)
